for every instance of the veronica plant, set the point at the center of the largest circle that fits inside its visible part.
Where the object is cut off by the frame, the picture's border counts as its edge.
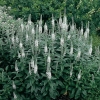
(43, 64)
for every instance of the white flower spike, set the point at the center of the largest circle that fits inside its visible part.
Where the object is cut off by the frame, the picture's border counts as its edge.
(13, 85)
(79, 75)
(15, 96)
(16, 67)
(48, 74)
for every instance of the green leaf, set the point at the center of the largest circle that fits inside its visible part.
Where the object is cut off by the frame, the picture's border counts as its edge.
(78, 92)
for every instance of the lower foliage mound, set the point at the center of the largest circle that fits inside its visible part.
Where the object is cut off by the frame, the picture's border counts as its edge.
(42, 64)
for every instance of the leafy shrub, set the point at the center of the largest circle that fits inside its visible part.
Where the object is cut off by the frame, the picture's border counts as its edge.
(82, 10)
(42, 64)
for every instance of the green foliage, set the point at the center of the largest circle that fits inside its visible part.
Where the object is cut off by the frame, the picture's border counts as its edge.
(37, 63)
(81, 10)
(96, 40)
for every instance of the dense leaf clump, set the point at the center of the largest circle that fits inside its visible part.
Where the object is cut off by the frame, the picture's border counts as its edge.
(41, 63)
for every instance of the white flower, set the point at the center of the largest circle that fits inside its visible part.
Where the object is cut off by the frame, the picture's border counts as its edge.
(53, 23)
(22, 27)
(29, 22)
(71, 50)
(64, 26)
(53, 36)
(48, 73)
(79, 75)
(33, 31)
(64, 19)
(45, 49)
(90, 50)
(29, 19)
(15, 96)
(62, 41)
(45, 27)
(69, 36)
(79, 53)
(87, 30)
(16, 67)
(27, 37)
(35, 68)
(23, 53)
(13, 85)
(32, 63)
(81, 31)
(72, 27)
(40, 22)
(49, 59)
(36, 43)
(40, 29)
(71, 72)
(13, 39)
(27, 27)
(20, 45)
(60, 21)
(85, 34)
